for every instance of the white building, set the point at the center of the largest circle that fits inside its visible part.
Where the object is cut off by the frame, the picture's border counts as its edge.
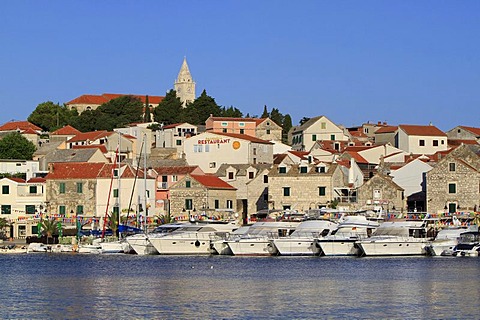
(316, 129)
(209, 150)
(421, 139)
(27, 167)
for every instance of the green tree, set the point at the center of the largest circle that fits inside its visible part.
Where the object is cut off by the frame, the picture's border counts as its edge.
(303, 120)
(286, 126)
(50, 116)
(49, 228)
(3, 225)
(265, 113)
(86, 121)
(16, 146)
(147, 116)
(200, 109)
(231, 112)
(169, 110)
(276, 116)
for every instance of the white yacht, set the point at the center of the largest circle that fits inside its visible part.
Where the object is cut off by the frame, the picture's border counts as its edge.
(141, 244)
(396, 238)
(302, 241)
(90, 248)
(445, 241)
(219, 245)
(342, 241)
(468, 244)
(193, 238)
(256, 242)
(112, 245)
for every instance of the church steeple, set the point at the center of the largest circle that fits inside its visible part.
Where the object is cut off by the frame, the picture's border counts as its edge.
(184, 84)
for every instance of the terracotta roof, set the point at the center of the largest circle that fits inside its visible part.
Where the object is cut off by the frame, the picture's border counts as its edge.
(458, 142)
(175, 170)
(29, 131)
(67, 130)
(173, 125)
(101, 99)
(19, 180)
(358, 158)
(256, 120)
(19, 125)
(102, 147)
(74, 170)
(278, 158)
(91, 136)
(243, 136)
(359, 148)
(387, 129)
(36, 180)
(415, 130)
(300, 154)
(473, 130)
(213, 182)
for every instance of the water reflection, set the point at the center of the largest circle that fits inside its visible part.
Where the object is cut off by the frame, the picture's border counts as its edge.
(39, 286)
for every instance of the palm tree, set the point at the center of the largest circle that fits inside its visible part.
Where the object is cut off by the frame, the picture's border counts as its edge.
(49, 227)
(113, 222)
(476, 219)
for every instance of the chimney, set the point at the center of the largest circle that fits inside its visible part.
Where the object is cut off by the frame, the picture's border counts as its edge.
(50, 167)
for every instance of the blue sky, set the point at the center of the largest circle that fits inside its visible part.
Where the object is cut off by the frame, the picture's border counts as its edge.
(404, 62)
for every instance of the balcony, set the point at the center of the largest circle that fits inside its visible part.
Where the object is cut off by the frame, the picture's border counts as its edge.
(162, 185)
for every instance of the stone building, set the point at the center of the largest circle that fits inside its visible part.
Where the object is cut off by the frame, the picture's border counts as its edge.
(380, 191)
(454, 183)
(304, 186)
(251, 182)
(197, 195)
(464, 133)
(184, 85)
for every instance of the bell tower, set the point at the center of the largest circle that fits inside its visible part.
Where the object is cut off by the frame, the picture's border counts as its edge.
(184, 85)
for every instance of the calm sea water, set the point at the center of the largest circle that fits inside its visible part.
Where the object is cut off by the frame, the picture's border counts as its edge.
(69, 286)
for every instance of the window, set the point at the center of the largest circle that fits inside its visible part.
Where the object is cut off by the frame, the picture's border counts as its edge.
(29, 209)
(5, 189)
(321, 169)
(323, 125)
(116, 210)
(79, 187)
(197, 148)
(79, 209)
(452, 188)
(188, 184)
(421, 143)
(6, 209)
(174, 178)
(224, 124)
(286, 191)
(377, 194)
(282, 170)
(242, 131)
(212, 164)
(451, 166)
(229, 204)
(251, 175)
(443, 142)
(314, 137)
(62, 187)
(332, 137)
(435, 143)
(265, 179)
(188, 204)
(115, 193)
(241, 124)
(115, 172)
(230, 176)
(207, 148)
(224, 130)
(61, 210)
(179, 142)
(254, 151)
(33, 189)
(268, 131)
(303, 169)
(322, 191)
(217, 204)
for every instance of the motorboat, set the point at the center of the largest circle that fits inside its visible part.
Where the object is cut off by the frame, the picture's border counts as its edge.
(256, 242)
(62, 248)
(396, 238)
(302, 241)
(90, 248)
(445, 241)
(342, 241)
(141, 244)
(218, 242)
(112, 245)
(468, 244)
(192, 238)
(37, 247)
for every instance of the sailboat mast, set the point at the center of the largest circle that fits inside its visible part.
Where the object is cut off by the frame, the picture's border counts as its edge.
(145, 180)
(118, 177)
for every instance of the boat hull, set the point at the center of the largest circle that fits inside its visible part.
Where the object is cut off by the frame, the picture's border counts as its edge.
(296, 247)
(141, 245)
(344, 247)
(252, 247)
(392, 247)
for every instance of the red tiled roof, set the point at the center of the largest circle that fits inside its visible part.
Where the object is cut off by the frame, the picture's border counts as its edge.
(101, 99)
(91, 136)
(358, 148)
(238, 119)
(36, 180)
(19, 125)
(66, 130)
(243, 136)
(387, 129)
(358, 158)
(458, 142)
(213, 182)
(29, 131)
(175, 170)
(473, 130)
(102, 147)
(75, 170)
(415, 130)
(19, 180)
(278, 158)
(300, 154)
